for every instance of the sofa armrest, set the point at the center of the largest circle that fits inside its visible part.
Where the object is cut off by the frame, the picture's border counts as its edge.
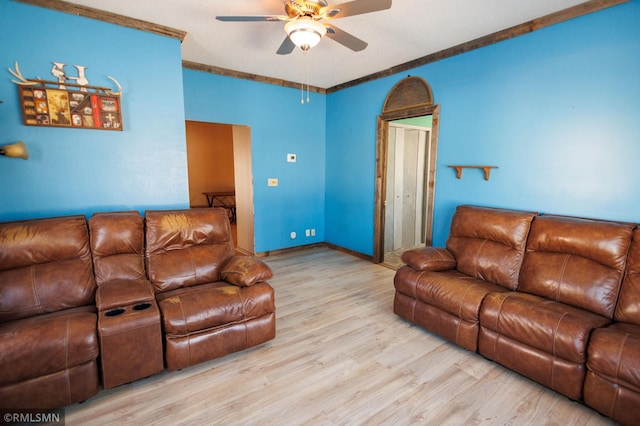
(119, 293)
(245, 271)
(429, 259)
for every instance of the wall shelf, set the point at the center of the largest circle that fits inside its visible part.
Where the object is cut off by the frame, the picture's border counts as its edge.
(487, 170)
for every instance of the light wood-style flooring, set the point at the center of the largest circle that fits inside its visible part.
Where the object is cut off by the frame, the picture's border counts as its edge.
(340, 357)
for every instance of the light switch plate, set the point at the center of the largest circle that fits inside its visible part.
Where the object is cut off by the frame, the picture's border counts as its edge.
(272, 181)
(291, 158)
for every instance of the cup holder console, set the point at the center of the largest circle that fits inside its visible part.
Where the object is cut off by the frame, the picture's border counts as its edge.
(141, 306)
(119, 311)
(114, 312)
(130, 339)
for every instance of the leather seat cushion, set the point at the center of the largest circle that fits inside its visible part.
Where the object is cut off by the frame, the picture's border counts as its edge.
(450, 291)
(206, 306)
(46, 344)
(614, 353)
(548, 326)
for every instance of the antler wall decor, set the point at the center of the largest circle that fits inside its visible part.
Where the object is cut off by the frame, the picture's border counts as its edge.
(58, 70)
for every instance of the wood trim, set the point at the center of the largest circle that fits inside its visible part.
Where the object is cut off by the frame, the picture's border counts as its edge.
(243, 183)
(288, 250)
(242, 252)
(247, 76)
(312, 246)
(433, 165)
(112, 18)
(382, 142)
(350, 252)
(518, 30)
(408, 93)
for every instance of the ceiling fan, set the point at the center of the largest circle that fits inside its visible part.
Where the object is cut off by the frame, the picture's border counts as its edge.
(304, 27)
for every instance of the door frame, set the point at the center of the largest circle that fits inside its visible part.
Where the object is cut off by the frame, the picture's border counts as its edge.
(382, 143)
(243, 183)
(243, 173)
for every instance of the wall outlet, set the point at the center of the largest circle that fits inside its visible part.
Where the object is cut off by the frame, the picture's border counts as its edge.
(292, 235)
(291, 158)
(307, 232)
(313, 232)
(272, 181)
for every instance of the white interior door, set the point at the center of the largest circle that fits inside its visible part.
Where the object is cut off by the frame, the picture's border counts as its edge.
(406, 183)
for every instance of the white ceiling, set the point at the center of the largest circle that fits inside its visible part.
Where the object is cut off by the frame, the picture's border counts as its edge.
(411, 29)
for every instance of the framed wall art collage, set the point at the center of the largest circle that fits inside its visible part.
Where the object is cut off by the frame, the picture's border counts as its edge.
(73, 105)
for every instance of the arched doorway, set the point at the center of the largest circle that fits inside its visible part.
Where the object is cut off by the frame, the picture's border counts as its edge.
(411, 97)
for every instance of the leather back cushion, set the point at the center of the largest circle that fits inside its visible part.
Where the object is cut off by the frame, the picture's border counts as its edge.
(628, 308)
(45, 266)
(575, 261)
(489, 243)
(117, 244)
(186, 247)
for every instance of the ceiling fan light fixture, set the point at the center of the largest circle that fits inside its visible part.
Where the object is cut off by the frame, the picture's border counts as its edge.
(305, 32)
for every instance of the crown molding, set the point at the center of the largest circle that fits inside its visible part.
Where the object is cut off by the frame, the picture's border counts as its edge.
(247, 76)
(112, 18)
(515, 31)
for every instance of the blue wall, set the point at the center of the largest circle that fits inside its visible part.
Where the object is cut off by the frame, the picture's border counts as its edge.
(556, 110)
(280, 125)
(72, 171)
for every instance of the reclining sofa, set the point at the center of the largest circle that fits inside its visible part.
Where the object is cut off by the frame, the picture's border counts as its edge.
(119, 297)
(554, 298)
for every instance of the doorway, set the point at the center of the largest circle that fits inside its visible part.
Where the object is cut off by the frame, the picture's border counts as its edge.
(410, 98)
(219, 160)
(406, 213)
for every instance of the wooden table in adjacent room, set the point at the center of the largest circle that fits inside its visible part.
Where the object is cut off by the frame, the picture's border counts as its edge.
(224, 199)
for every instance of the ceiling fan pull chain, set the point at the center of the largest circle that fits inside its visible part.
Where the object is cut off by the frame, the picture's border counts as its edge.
(302, 83)
(306, 64)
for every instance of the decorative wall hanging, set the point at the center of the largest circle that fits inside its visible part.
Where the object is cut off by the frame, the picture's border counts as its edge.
(64, 104)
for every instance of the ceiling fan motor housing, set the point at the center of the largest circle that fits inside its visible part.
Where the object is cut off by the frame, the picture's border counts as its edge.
(295, 8)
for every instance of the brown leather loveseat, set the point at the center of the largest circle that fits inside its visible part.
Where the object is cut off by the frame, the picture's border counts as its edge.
(540, 294)
(119, 297)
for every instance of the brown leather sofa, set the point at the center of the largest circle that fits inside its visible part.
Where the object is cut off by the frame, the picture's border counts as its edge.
(540, 295)
(79, 307)
(48, 339)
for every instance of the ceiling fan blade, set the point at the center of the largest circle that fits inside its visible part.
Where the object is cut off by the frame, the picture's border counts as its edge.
(251, 18)
(286, 47)
(355, 7)
(345, 39)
